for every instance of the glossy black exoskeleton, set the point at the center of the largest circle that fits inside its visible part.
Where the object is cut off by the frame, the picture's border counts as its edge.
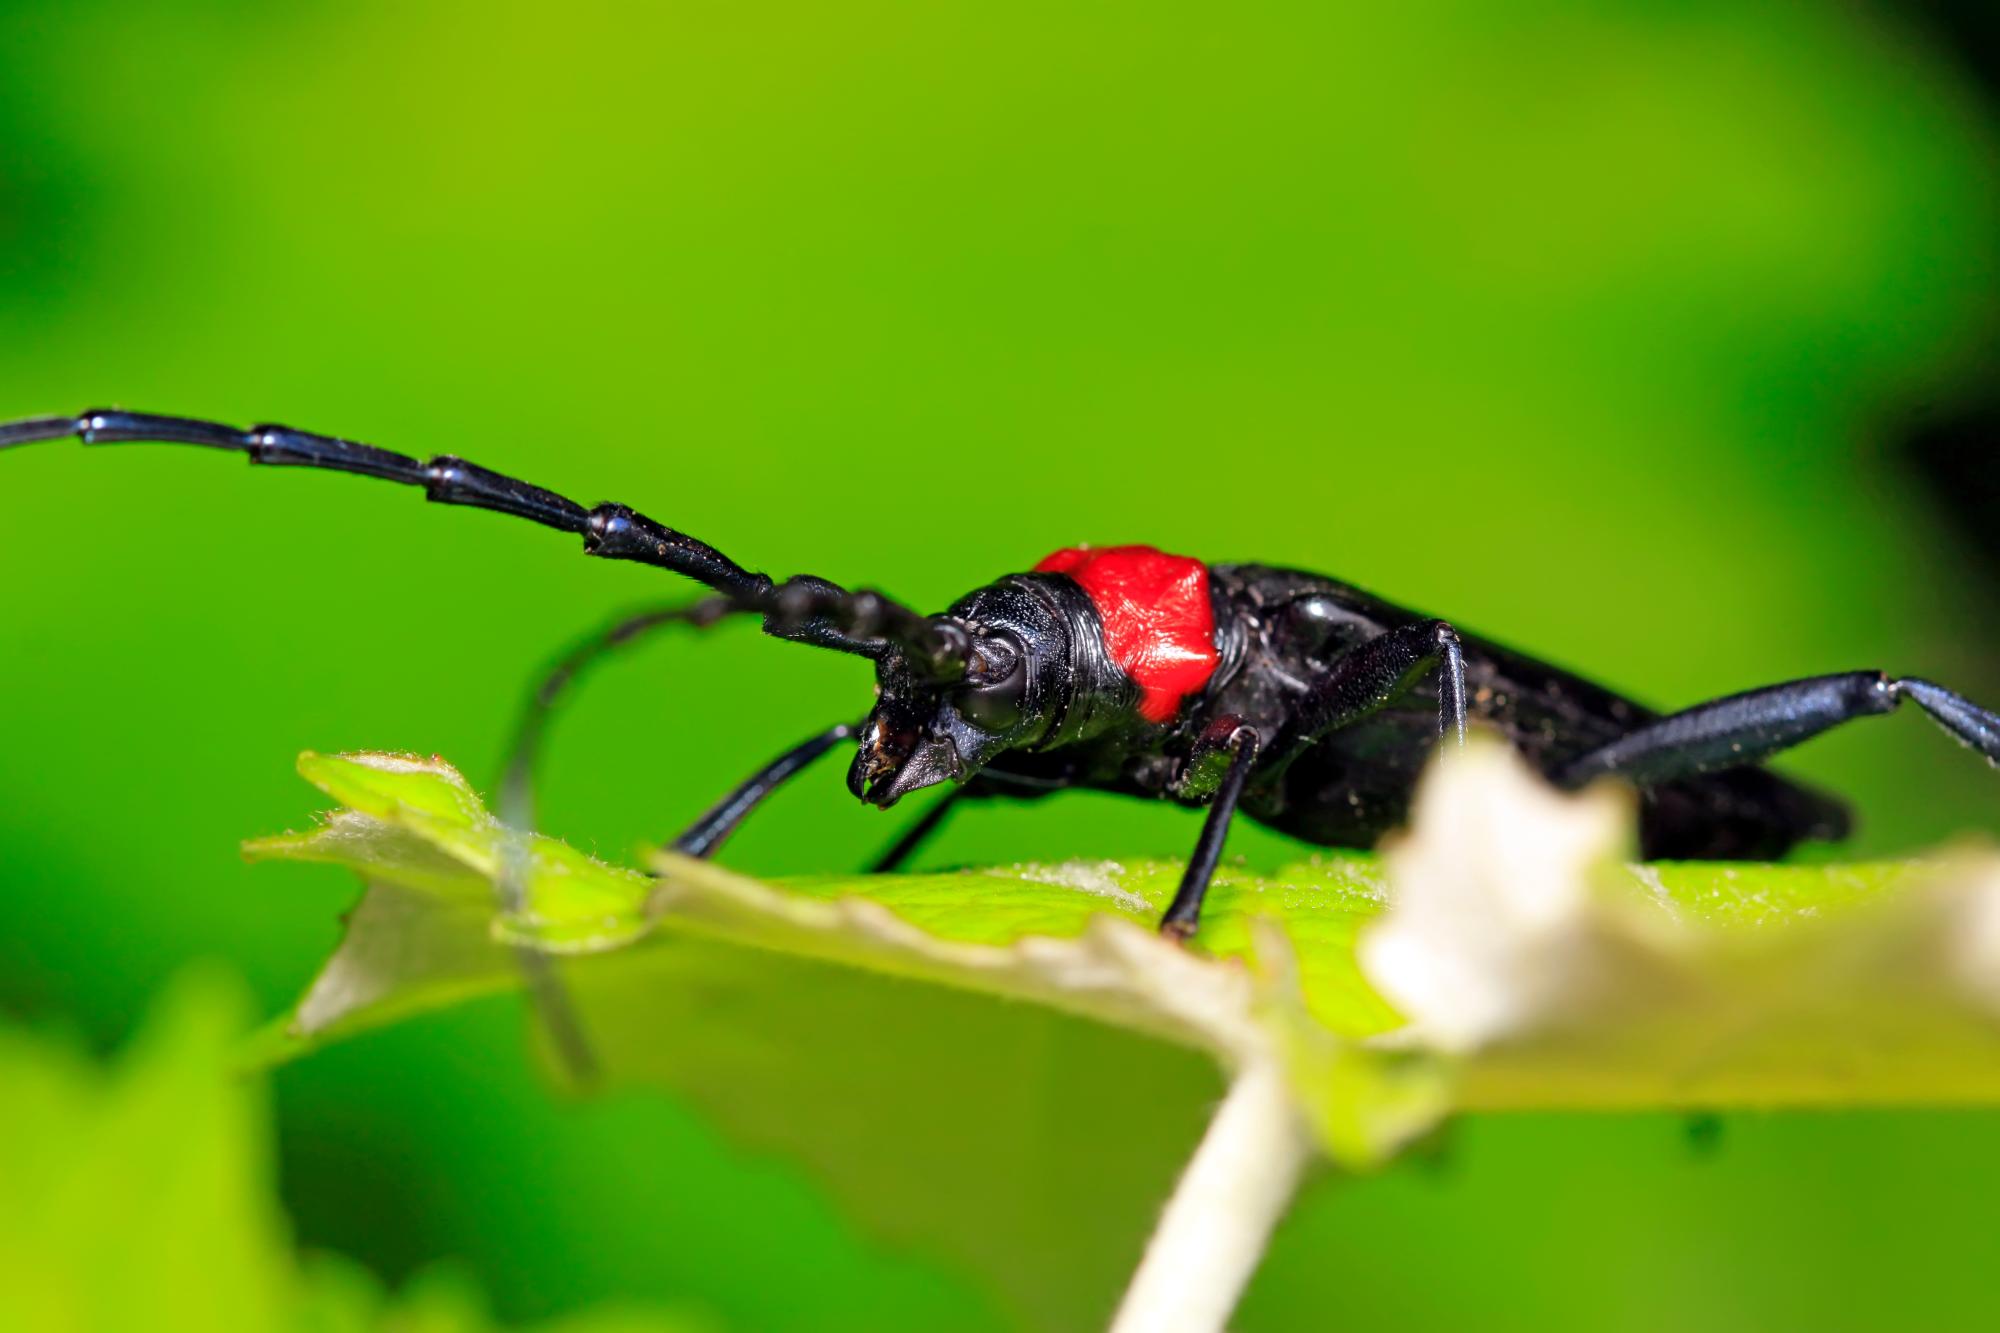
(1337, 768)
(1304, 703)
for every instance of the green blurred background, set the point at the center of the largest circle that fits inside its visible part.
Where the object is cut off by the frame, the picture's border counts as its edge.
(1613, 330)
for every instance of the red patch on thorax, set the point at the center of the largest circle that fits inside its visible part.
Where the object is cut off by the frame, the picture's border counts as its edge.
(1158, 621)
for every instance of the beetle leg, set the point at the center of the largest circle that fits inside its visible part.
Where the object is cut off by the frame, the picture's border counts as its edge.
(1365, 678)
(1242, 745)
(1201, 774)
(517, 798)
(517, 810)
(1749, 728)
(706, 834)
(517, 793)
(1371, 676)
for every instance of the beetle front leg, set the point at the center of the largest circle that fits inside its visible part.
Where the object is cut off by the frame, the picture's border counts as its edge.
(706, 834)
(517, 782)
(517, 790)
(1221, 763)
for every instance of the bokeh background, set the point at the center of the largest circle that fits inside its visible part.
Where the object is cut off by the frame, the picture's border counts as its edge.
(1658, 339)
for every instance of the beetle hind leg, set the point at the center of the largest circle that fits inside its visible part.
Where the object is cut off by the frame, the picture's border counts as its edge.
(1748, 728)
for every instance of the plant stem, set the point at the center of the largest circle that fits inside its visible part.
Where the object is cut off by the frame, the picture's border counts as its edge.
(1229, 1200)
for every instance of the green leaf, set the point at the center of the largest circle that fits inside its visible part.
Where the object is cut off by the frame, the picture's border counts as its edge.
(1005, 1066)
(140, 1197)
(1031, 1142)
(154, 1173)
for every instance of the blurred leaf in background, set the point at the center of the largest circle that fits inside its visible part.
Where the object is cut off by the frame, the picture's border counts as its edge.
(1587, 325)
(140, 1196)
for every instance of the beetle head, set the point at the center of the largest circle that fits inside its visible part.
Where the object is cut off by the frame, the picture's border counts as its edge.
(1014, 686)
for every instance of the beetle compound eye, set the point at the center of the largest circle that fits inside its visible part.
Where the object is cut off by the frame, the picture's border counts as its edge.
(996, 684)
(993, 707)
(996, 707)
(996, 659)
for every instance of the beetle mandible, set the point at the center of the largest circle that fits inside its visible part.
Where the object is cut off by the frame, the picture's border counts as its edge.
(1295, 699)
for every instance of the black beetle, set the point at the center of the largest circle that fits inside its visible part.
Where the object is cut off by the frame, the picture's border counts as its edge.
(1307, 704)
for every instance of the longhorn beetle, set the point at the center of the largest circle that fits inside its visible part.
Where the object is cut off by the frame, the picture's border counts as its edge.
(1298, 700)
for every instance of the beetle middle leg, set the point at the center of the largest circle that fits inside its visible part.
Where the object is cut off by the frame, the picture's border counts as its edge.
(1751, 727)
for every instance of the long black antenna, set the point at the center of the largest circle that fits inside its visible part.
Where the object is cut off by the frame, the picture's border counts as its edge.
(804, 609)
